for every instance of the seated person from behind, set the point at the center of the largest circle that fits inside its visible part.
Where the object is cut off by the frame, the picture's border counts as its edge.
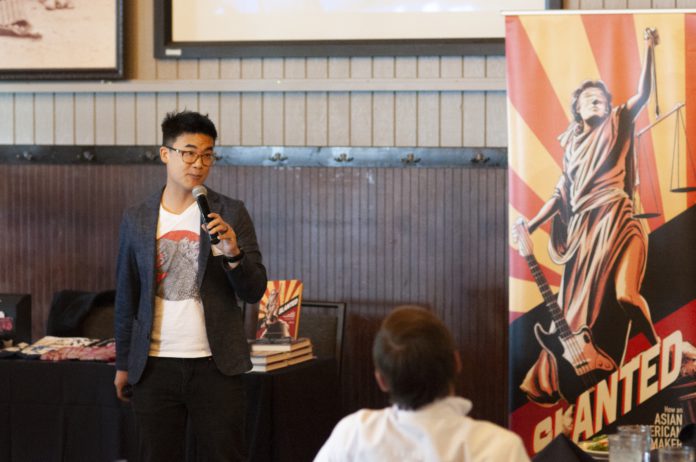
(417, 363)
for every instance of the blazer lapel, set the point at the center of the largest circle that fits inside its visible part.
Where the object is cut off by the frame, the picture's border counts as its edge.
(148, 230)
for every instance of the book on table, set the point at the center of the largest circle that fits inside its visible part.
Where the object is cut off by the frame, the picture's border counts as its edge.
(269, 357)
(300, 359)
(268, 361)
(269, 367)
(280, 346)
(279, 310)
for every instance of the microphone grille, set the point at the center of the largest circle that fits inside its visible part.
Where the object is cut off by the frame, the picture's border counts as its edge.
(199, 191)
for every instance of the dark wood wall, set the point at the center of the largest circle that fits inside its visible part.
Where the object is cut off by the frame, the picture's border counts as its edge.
(371, 237)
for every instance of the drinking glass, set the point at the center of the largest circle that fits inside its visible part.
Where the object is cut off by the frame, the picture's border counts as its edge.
(644, 432)
(682, 454)
(626, 447)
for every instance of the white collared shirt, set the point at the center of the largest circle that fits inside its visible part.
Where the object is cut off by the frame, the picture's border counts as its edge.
(438, 432)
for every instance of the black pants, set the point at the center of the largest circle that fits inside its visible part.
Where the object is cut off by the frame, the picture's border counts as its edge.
(172, 391)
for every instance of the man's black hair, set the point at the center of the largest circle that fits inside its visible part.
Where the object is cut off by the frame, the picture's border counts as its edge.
(178, 123)
(415, 354)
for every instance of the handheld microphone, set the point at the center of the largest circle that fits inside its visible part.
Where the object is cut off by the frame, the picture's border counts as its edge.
(201, 195)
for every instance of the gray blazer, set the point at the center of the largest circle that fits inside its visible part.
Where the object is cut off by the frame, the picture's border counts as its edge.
(218, 286)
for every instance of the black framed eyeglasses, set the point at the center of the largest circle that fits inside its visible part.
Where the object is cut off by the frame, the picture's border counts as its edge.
(190, 157)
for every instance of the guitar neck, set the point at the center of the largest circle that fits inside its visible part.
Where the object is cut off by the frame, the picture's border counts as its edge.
(549, 299)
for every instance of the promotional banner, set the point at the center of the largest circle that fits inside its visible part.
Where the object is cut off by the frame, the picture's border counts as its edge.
(602, 185)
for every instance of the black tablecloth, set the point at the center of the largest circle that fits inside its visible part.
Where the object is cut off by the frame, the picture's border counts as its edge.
(68, 411)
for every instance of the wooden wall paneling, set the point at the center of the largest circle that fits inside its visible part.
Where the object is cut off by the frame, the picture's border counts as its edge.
(252, 119)
(428, 118)
(273, 68)
(187, 69)
(428, 67)
(126, 119)
(405, 121)
(230, 123)
(273, 119)
(317, 67)
(208, 69)
(251, 105)
(686, 4)
(383, 116)
(295, 119)
(405, 67)
(252, 68)
(339, 119)
(591, 4)
(451, 107)
(405, 104)
(339, 105)
(339, 68)
(84, 118)
(166, 102)
(231, 68)
(147, 124)
(209, 103)
(451, 104)
(316, 105)
(105, 117)
(361, 119)
(664, 4)
(294, 68)
(383, 67)
(317, 119)
(24, 118)
(474, 105)
(7, 118)
(615, 4)
(361, 67)
(64, 118)
(496, 105)
(361, 104)
(451, 67)
(474, 120)
(44, 118)
(187, 101)
(496, 119)
(383, 126)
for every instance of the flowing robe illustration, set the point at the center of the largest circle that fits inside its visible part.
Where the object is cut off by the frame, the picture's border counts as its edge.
(592, 228)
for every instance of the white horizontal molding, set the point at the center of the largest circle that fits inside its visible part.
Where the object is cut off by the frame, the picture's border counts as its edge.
(257, 85)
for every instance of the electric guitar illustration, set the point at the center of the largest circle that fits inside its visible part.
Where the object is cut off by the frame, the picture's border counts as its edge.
(580, 363)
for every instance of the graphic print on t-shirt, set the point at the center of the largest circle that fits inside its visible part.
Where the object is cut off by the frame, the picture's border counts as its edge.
(177, 261)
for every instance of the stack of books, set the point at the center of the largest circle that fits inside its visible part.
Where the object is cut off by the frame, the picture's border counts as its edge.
(269, 356)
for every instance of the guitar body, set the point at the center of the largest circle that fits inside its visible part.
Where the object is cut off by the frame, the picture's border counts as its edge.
(580, 364)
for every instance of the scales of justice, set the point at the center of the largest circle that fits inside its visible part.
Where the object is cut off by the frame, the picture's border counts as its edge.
(680, 148)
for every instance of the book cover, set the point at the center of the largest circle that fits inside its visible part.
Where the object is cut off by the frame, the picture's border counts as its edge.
(290, 345)
(279, 310)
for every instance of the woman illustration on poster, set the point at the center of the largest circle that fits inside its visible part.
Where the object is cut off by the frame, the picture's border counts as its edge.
(594, 235)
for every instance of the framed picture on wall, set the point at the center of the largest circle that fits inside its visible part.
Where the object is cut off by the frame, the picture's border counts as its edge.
(246, 28)
(61, 39)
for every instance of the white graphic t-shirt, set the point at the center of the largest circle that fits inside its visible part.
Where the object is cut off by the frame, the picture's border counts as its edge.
(179, 325)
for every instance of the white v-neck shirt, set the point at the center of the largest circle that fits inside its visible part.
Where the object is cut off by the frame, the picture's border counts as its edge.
(178, 329)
